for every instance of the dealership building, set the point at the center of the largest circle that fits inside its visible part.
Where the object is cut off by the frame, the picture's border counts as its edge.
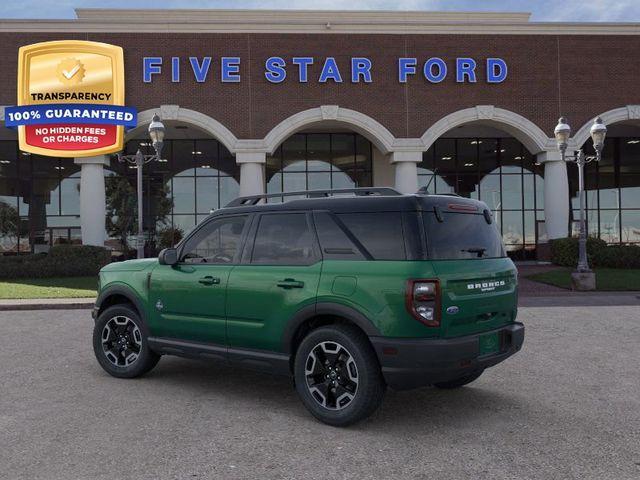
(277, 101)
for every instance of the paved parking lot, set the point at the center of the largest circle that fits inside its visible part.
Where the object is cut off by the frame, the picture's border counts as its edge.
(568, 406)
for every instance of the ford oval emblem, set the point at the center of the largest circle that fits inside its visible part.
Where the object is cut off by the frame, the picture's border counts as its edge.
(452, 310)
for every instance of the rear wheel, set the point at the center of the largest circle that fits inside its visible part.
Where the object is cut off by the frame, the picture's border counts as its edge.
(120, 343)
(460, 381)
(338, 376)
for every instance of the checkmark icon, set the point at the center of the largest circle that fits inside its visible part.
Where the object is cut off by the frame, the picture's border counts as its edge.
(71, 73)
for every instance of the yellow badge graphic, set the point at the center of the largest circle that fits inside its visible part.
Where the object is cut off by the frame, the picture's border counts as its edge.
(71, 99)
(70, 71)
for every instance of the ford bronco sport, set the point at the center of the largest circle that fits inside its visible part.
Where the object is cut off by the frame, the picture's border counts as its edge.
(346, 294)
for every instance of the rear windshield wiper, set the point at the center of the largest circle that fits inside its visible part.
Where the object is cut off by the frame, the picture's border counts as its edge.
(477, 250)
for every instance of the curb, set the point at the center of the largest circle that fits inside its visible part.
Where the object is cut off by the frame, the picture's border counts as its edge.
(47, 304)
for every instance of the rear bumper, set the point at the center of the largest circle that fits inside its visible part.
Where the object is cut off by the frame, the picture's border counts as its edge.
(411, 363)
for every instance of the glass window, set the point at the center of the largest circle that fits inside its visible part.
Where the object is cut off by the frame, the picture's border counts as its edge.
(334, 242)
(216, 242)
(70, 196)
(630, 190)
(184, 222)
(229, 189)
(512, 228)
(631, 226)
(629, 155)
(318, 152)
(294, 153)
(207, 194)
(205, 154)
(512, 192)
(487, 155)
(445, 156)
(314, 161)
(182, 162)
(511, 155)
(8, 159)
(490, 192)
(379, 233)
(467, 154)
(461, 236)
(283, 239)
(183, 190)
(610, 226)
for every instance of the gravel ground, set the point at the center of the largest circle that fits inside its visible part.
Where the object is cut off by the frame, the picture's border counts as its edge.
(567, 406)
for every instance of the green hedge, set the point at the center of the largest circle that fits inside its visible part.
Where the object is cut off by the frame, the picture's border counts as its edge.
(61, 261)
(564, 252)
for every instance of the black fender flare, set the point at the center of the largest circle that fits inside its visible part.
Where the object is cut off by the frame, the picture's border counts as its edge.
(124, 291)
(326, 308)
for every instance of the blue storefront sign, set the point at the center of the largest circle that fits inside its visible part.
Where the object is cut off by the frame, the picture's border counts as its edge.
(323, 70)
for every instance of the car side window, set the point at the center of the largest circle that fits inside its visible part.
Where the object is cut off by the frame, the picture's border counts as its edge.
(283, 239)
(380, 233)
(335, 243)
(217, 242)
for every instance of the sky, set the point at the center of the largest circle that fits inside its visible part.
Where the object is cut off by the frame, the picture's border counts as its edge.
(542, 10)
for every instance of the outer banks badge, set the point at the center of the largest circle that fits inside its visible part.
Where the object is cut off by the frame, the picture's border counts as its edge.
(70, 99)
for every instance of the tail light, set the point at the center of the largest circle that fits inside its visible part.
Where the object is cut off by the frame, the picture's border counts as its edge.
(423, 301)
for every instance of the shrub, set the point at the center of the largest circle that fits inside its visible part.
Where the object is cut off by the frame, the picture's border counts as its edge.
(61, 261)
(618, 256)
(564, 252)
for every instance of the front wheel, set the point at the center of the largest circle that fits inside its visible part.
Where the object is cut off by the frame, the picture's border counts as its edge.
(460, 381)
(338, 376)
(120, 343)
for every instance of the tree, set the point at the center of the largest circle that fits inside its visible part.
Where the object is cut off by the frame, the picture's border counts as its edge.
(122, 207)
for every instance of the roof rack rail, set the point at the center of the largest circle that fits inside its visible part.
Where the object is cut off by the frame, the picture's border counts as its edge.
(359, 192)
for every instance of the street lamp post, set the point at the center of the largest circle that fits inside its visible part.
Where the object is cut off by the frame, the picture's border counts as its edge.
(156, 133)
(598, 132)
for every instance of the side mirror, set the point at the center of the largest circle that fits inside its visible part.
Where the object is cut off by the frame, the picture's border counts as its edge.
(168, 256)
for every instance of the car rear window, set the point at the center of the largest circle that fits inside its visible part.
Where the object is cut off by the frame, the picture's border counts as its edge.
(380, 233)
(461, 236)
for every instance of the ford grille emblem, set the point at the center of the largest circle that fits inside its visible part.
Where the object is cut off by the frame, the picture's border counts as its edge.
(452, 310)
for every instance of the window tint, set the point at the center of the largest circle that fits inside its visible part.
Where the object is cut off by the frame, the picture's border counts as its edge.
(334, 242)
(283, 239)
(380, 233)
(216, 242)
(461, 236)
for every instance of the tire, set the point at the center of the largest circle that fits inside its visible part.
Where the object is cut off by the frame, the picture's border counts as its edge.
(337, 375)
(459, 382)
(120, 343)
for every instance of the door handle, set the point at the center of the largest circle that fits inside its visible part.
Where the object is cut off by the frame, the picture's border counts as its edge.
(209, 280)
(290, 283)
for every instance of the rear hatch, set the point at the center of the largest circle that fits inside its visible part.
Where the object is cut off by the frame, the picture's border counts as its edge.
(478, 282)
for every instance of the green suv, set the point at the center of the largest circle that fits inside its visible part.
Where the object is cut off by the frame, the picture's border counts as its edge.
(346, 294)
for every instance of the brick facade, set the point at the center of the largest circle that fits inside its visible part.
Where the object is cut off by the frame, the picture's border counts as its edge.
(575, 75)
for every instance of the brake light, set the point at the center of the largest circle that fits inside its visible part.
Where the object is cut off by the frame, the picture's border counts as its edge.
(423, 301)
(463, 207)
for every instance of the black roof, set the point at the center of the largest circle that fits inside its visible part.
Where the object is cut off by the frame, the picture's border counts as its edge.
(386, 202)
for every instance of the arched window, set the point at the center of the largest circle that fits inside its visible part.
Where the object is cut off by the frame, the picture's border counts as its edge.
(314, 161)
(498, 171)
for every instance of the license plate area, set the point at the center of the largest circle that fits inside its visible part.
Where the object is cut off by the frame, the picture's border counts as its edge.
(489, 343)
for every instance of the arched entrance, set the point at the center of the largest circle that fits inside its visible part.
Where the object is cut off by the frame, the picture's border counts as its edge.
(325, 147)
(479, 157)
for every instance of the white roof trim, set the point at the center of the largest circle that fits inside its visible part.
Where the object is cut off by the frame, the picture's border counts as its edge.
(311, 21)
